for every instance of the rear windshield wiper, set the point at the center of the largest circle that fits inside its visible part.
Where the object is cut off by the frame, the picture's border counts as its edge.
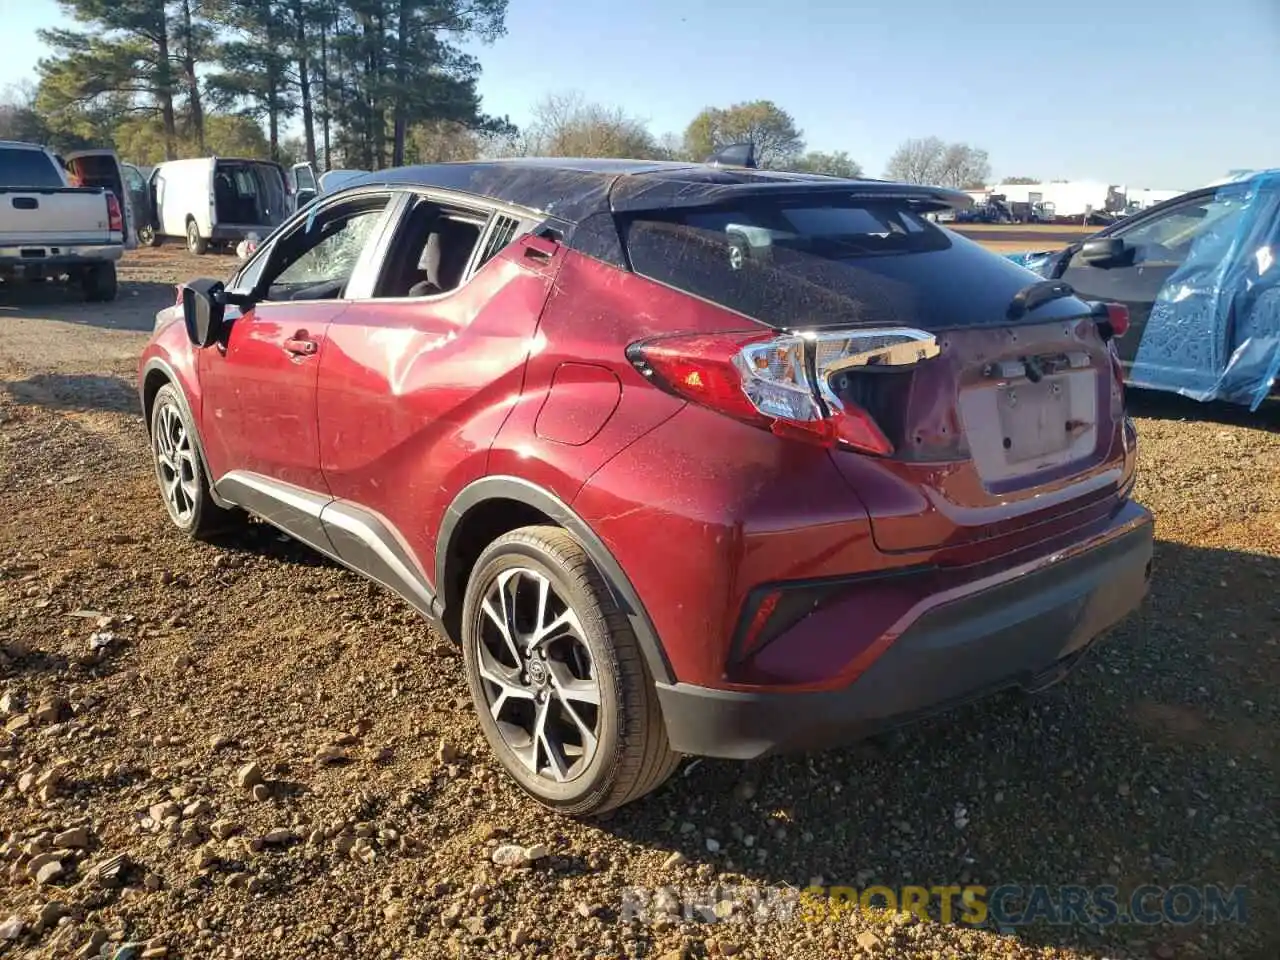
(1037, 295)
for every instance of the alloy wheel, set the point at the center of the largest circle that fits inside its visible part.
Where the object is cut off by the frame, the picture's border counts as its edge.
(176, 464)
(539, 680)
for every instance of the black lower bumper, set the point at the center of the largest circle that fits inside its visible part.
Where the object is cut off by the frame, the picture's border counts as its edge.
(235, 232)
(1025, 632)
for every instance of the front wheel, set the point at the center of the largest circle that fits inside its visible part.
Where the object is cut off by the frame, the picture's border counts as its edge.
(558, 678)
(180, 471)
(148, 236)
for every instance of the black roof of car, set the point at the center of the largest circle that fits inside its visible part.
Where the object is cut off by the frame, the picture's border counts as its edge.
(573, 189)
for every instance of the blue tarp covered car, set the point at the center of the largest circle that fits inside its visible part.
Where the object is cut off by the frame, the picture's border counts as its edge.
(1200, 276)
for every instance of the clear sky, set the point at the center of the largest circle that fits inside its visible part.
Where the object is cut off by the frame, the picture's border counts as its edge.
(1147, 93)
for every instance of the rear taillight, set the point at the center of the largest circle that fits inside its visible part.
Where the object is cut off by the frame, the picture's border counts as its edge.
(790, 383)
(115, 218)
(1112, 319)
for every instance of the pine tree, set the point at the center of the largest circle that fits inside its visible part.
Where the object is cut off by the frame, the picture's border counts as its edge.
(123, 55)
(255, 75)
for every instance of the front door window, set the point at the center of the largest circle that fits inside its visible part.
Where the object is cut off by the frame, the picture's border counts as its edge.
(317, 260)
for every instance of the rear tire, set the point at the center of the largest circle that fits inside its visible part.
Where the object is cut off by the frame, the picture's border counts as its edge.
(196, 243)
(568, 665)
(99, 283)
(180, 470)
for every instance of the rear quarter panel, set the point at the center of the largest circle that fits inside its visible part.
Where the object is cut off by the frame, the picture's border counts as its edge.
(702, 509)
(593, 314)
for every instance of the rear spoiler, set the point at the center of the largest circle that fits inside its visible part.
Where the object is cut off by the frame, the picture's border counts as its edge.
(641, 194)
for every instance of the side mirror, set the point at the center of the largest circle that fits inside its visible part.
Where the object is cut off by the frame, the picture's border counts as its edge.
(203, 309)
(1104, 252)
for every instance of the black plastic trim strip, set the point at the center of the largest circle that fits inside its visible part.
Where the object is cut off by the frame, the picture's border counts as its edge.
(522, 491)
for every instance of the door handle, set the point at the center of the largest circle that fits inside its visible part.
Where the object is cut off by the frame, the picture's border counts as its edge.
(540, 248)
(301, 347)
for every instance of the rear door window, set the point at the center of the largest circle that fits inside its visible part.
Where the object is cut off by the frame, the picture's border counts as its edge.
(27, 168)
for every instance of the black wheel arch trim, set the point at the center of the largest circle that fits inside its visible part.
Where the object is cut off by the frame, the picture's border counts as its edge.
(158, 364)
(530, 494)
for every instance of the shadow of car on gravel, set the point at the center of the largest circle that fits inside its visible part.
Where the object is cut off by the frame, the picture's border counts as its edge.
(75, 391)
(1160, 405)
(258, 538)
(1154, 762)
(133, 309)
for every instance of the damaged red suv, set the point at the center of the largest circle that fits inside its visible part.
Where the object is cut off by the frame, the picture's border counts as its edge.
(690, 459)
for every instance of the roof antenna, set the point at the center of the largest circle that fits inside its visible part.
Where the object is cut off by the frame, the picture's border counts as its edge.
(735, 155)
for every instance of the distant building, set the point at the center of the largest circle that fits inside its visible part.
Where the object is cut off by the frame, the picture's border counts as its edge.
(1075, 198)
(1141, 199)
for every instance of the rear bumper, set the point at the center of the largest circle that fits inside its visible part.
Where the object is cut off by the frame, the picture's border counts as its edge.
(240, 231)
(1024, 632)
(47, 256)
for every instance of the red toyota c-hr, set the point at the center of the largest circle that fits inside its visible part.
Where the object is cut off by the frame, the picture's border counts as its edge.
(690, 459)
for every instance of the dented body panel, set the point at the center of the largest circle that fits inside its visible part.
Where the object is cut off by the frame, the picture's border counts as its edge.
(757, 566)
(418, 390)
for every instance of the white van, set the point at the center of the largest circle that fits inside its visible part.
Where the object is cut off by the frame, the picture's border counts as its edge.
(216, 200)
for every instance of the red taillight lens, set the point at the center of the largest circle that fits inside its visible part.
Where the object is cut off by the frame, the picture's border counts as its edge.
(780, 381)
(700, 368)
(1112, 319)
(1118, 317)
(859, 430)
(115, 218)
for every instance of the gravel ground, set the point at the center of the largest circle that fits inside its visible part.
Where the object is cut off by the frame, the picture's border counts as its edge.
(242, 750)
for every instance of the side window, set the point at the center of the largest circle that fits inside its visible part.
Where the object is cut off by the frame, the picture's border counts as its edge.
(1168, 238)
(304, 178)
(133, 179)
(501, 233)
(316, 259)
(431, 250)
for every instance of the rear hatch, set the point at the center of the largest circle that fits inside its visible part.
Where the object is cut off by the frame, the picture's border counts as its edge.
(250, 193)
(986, 401)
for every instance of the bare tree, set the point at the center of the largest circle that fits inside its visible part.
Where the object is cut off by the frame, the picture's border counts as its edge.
(671, 147)
(566, 125)
(964, 167)
(836, 164)
(19, 118)
(932, 161)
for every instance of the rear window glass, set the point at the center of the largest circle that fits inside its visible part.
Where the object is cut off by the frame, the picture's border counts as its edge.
(251, 178)
(27, 168)
(787, 264)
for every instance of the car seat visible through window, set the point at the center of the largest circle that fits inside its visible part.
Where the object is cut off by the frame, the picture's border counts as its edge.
(444, 256)
(432, 255)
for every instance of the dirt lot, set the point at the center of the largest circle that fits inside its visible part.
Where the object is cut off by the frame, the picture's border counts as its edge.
(1014, 238)
(140, 673)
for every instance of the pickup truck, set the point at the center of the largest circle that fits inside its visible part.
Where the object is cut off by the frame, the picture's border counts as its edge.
(52, 231)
